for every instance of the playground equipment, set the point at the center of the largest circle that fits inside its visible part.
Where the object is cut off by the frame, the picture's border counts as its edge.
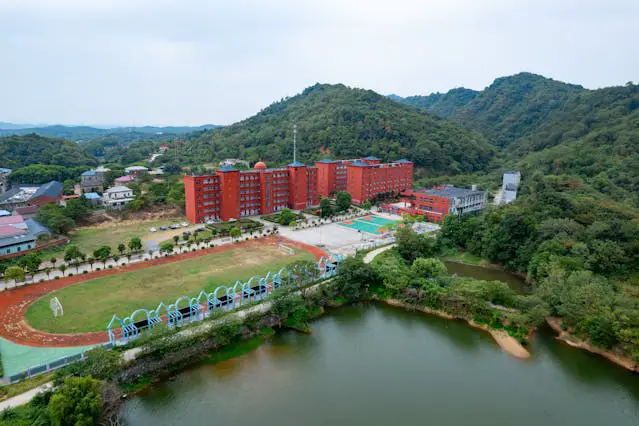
(286, 249)
(188, 309)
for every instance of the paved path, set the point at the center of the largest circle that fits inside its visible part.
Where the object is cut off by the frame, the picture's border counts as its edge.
(24, 398)
(371, 255)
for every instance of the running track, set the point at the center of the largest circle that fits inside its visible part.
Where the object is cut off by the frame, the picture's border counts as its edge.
(14, 302)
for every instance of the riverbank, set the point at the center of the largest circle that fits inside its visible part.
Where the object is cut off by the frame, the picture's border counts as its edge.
(505, 341)
(575, 342)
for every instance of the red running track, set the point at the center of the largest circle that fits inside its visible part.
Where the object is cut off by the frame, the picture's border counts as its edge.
(14, 302)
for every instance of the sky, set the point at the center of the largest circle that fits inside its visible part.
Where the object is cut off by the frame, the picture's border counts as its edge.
(191, 62)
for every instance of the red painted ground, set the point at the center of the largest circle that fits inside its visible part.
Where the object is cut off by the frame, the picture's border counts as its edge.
(14, 302)
(347, 222)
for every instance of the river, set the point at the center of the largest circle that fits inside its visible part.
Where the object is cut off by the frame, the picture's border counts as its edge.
(377, 365)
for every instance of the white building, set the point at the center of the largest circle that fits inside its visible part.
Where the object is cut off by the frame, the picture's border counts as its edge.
(509, 186)
(117, 197)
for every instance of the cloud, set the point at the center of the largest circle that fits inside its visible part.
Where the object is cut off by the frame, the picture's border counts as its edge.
(191, 62)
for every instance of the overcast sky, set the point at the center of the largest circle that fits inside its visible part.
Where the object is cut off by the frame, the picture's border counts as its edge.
(177, 62)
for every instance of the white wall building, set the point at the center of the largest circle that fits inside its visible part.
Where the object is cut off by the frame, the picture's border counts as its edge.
(510, 185)
(117, 197)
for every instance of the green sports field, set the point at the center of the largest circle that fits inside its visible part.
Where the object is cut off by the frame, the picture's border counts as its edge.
(89, 306)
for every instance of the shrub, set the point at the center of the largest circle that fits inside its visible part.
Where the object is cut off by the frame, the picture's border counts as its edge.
(76, 402)
(110, 266)
(85, 272)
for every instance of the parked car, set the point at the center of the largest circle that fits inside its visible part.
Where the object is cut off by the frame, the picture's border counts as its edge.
(164, 227)
(210, 222)
(174, 226)
(185, 224)
(154, 229)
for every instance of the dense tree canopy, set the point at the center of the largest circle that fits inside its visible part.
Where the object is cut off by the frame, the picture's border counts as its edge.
(340, 122)
(19, 151)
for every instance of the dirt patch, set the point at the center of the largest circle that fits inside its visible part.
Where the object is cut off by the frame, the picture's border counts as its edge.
(505, 341)
(14, 302)
(563, 335)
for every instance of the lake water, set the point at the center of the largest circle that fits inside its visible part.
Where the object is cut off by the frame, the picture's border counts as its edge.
(374, 365)
(481, 273)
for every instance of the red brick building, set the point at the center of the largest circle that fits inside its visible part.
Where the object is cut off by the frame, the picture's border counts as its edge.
(231, 194)
(439, 201)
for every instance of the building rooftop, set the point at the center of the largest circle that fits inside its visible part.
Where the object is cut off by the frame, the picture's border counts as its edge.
(450, 191)
(371, 158)
(296, 164)
(11, 220)
(16, 239)
(36, 228)
(358, 163)
(326, 160)
(88, 173)
(3, 170)
(118, 188)
(19, 194)
(136, 168)
(4, 213)
(52, 189)
(403, 160)
(124, 179)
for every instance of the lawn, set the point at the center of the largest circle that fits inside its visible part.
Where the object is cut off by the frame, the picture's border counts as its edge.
(112, 234)
(89, 306)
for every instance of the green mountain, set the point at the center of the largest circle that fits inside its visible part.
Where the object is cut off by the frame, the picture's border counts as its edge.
(554, 127)
(20, 151)
(340, 122)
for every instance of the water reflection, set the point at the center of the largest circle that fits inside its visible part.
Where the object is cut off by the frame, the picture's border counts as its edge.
(480, 273)
(377, 365)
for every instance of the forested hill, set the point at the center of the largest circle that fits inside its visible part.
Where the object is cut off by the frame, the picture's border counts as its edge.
(20, 151)
(555, 127)
(340, 122)
(508, 109)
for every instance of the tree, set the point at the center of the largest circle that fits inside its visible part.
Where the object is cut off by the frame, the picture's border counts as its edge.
(326, 210)
(121, 248)
(76, 403)
(103, 253)
(53, 260)
(235, 233)
(48, 272)
(135, 244)
(343, 201)
(176, 238)
(411, 245)
(14, 273)
(366, 205)
(166, 247)
(72, 252)
(63, 269)
(286, 216)
(91, 261)
(429, 267)
(354, 277)
(31, 262)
